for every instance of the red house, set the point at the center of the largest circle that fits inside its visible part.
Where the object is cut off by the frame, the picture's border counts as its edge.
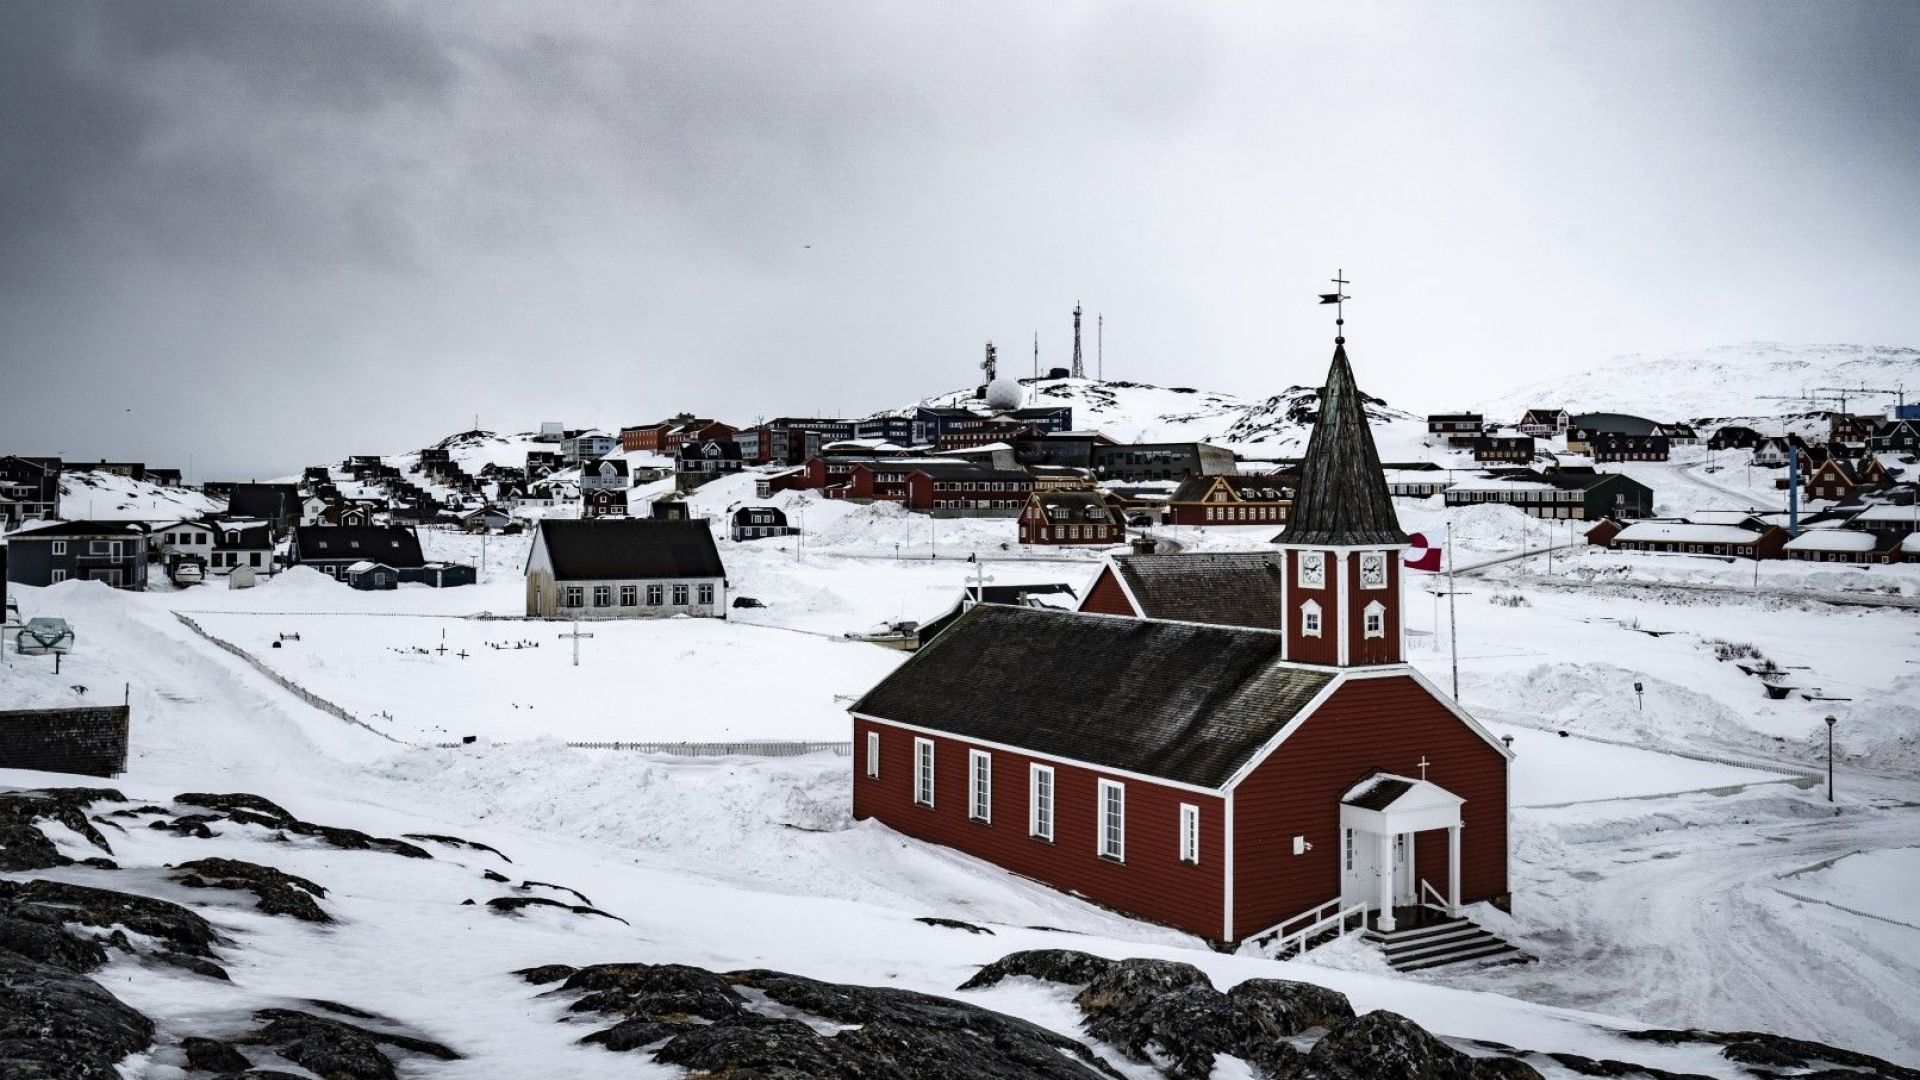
(1070, 517)
(1231, 781)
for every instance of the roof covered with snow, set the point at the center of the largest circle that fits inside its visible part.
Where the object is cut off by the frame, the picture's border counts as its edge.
(1832, 540)
(1684, 532)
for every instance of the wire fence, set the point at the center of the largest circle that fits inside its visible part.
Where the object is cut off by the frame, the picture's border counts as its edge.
(762, 748)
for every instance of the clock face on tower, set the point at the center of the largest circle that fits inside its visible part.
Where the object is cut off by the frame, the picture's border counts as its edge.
(1373, 570)
(1313, 569)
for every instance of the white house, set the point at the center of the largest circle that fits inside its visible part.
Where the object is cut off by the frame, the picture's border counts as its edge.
(624, 568)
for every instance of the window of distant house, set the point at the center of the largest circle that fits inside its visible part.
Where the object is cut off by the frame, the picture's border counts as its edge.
(706, 594)
(679, 595)
(1189, 833)
(629, 595)
(573, 596)
(59, 547)
(980, 785)
(923, 771)
(58, 576)
(1113, 820)
(873, 753)
(656, 595)
(603, 596)
(1040, 802)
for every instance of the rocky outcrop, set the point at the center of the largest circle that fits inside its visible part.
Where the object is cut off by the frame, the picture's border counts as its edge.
(276, 892)
(455, 841)
(1049, 965)
(1758, 1048)
(24, 847)
(1381, 1044)
(247, 809)
(336, 1049)
(59, 902)
(703, 1021)
(213, 1055)
(58, 1025)
(1284, 1008)
(954, 924)
(511, 905)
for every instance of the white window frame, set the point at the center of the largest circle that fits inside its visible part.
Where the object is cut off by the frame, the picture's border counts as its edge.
(873, 754)
(1374, 620)
(1310, 619)
(923, 762)
(1110, 841)
(58, 577)
(1190, 834)
(1377, 558)
(656, 595)
(1317, 559)
(1346, 848)
(1040, 803)
(59, 547)
(980, 786)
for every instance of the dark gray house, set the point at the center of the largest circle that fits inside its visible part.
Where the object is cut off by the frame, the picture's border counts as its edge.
(279, 505)
(758, 522)
(1135, 462)
(29, 489)
(333, 549)
(114, 552)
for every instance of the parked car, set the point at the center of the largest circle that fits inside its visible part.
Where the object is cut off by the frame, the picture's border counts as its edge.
(43, 635)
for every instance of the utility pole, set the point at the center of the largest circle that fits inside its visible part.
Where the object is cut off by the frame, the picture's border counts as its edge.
(1036, 354)
(1830, 722)
(1079, 365)
(1100, 345)
(1453, 621)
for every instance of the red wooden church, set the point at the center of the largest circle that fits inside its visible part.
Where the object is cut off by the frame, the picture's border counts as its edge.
(1228, 780)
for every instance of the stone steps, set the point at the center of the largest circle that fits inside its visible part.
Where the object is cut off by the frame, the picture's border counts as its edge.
(1443, 942)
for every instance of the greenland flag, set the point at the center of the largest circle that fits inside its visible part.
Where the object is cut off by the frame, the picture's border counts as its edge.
(1422, 555)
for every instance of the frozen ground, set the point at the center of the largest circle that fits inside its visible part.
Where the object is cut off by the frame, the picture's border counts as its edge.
(1665, 873)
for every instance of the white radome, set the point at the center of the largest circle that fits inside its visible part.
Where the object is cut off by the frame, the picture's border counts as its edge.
(1005, 393)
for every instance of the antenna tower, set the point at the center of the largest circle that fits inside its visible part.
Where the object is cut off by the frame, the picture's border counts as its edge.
(1100, 346)
(991, 365)
(1079, 365)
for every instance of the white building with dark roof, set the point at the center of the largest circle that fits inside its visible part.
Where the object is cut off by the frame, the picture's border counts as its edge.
(624, 568)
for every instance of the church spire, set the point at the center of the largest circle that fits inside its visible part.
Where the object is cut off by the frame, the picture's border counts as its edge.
(1342, 499)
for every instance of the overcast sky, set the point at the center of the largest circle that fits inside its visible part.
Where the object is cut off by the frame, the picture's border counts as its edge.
(271, 234)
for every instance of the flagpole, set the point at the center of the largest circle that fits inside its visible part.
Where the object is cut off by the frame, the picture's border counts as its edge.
(1453, 623)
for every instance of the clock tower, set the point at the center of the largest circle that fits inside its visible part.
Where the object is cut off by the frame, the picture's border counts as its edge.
(1339, 553)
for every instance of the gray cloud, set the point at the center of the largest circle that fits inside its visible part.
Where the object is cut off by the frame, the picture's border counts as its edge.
(281, 231)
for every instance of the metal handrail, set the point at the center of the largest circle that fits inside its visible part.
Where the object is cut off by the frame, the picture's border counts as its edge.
(1318, 922)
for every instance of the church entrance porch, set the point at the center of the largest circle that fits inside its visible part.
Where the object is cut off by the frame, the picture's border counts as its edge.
(1379, 820)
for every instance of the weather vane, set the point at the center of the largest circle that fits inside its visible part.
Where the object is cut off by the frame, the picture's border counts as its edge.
(1339, 313)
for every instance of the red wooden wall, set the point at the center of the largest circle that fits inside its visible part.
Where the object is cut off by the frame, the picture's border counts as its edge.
(1152, 883)
(1389, 724)
(1106, 597)
(1362, 649)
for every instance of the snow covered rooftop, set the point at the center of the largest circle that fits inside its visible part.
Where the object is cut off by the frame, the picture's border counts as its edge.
(1889, 513)
(1720, 517)
(1685, 532)
(1832, 540)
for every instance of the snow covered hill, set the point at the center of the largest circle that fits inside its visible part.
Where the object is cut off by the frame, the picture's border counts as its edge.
(1270, 427)
(101, 496)
(1722, 381)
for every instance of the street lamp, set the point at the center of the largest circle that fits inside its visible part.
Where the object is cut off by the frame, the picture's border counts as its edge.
(1640, 695)
(1830, 722)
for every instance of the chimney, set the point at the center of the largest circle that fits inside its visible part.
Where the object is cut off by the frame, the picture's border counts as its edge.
(1144, 545)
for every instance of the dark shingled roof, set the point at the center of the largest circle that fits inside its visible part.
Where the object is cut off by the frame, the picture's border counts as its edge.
(1342, 499)
(620, 549)
(390, 544)
(1175, 701)
(1221, 589)
(1381, 795)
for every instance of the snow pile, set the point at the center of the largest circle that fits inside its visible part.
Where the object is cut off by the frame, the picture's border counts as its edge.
(103, 496)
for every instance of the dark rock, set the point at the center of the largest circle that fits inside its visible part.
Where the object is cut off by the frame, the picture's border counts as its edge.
(180, 928)
(1186, 1028)
(195, 964)
(336, 1049)
(638, 1033)
(953, 924)
(1113, 1002)
(99, 863)
(509, 905)
(917, 1036)
(652, 991)
(261, 1074)
(1284, 1008)
(341, 1010)
(577, 894)
(493, 876)
(546, 973)
(1755, 1052)
(355, 840)
(213, 1055)
(1383, 1044)
(194, 825)
(752, 1046)
(1503, 1068)
(137, 811)
(1762, 1048)
(68, 806)
(25, 847)
(37, 934)
(231, 802)
(1050, 965)
(276, 892)
(58, 1025)
(454, 841)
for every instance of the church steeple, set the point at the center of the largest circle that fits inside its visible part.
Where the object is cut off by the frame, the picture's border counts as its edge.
(1340, 546)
